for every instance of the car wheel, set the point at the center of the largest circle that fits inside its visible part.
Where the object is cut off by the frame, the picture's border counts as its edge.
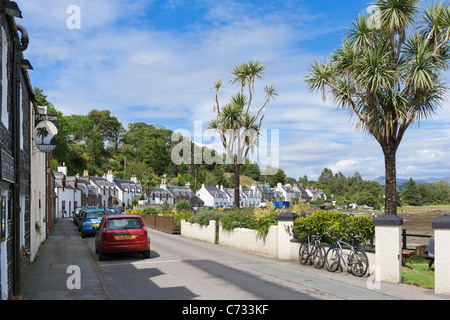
(96, 248)
(146, 254)
(101, 256)
(83, 235)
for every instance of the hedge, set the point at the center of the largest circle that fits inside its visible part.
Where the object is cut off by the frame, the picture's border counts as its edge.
(335, 223)
(243, 218)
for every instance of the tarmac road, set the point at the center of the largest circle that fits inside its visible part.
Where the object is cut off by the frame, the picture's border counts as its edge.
(185, 269)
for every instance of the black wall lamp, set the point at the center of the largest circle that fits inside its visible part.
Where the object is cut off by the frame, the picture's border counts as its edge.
(25, 64)
(11, 9)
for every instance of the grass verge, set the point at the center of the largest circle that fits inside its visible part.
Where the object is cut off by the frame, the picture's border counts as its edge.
(414, 273)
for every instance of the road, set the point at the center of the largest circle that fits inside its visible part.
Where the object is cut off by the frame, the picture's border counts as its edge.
(185, 269)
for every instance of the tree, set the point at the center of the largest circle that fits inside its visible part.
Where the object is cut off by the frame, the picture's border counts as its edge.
(411, 194)
(236, 125)
(108, 126)
(387, 78)
(325, 175)
(42, 132)
(442, 190)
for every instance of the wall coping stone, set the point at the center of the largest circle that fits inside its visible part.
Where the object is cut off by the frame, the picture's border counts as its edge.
(441, 222)
(388, 220)
(287, 216)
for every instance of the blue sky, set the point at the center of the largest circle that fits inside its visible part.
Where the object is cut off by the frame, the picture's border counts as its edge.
(155, 61)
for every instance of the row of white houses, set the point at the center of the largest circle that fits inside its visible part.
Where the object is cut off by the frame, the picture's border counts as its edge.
(107, 191)
(218, 197)
(103, 192)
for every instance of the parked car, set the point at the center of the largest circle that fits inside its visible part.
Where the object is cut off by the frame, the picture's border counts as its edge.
(112, 210)
(77, 211)
(90, 221)
(122, 233)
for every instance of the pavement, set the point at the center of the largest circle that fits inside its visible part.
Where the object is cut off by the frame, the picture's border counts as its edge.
(64, 269)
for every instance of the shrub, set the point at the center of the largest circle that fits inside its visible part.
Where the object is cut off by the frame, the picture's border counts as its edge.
(323, 222)
(135, 211)
(183, 205)
(264, 223)
(152, 211)
(243, 218)
(180, 215)
(204, 216)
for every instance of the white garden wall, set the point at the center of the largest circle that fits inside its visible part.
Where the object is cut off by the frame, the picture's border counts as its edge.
(199, 232)
(250, 241)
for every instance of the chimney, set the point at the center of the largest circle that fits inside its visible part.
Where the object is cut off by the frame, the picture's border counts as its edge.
(110, 176)
(134, 178)
(63, 169)
(163, 183)
(86, 176)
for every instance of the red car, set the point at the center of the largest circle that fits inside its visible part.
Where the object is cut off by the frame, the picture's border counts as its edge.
(122, 233)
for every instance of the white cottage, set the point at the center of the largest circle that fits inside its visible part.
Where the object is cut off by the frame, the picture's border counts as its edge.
(213, 197)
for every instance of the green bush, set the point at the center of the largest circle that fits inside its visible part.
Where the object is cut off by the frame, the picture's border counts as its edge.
(183, 205)
(204, 216)
(335, 223)
(264, 223)
(243, 218)
(151, 211)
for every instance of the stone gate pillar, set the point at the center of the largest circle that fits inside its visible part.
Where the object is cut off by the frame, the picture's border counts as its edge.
(441, 228)
(285, 234)
(388, 247)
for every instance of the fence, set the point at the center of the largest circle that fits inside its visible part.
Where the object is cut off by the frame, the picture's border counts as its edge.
(164, 224)
(404, 238)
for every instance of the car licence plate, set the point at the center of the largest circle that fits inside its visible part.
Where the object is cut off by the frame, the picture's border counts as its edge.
(95, 225)
(122, 237)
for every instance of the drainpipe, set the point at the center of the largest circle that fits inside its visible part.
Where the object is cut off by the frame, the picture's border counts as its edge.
(18, 47)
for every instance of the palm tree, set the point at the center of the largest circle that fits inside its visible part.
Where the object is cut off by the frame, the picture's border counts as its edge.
(42, 132)
(389, 79)
(236, 125)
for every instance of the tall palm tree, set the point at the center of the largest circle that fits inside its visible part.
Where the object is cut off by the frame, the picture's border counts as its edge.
(235, 123)
(42, 132)
(389, 77)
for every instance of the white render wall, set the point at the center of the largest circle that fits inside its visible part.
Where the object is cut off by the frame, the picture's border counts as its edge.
(199, 232)
(389, 253)
(274, 245)
(250, 241)
(442, 261)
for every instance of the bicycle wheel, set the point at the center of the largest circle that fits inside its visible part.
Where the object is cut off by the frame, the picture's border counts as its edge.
(319, 256)
(303, 253)
(333, 259)
(359, 262)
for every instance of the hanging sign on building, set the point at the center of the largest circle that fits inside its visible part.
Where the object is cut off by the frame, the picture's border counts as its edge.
(7, 170)
(46, 132)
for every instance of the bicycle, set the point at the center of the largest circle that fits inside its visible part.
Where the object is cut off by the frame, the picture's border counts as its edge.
(356, 259)
(312, 249)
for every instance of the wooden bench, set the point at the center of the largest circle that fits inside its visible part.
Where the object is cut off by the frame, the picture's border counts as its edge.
(406, 254)
(430, 263)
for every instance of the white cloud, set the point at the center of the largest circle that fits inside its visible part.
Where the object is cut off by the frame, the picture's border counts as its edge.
(142, 73)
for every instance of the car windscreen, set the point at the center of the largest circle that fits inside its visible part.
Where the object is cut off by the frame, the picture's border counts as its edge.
(95, 214)
(124, 223)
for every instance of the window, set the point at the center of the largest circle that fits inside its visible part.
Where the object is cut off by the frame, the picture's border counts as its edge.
(124, 223)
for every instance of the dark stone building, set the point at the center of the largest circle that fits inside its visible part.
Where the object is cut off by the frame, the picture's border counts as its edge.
(16, 110)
